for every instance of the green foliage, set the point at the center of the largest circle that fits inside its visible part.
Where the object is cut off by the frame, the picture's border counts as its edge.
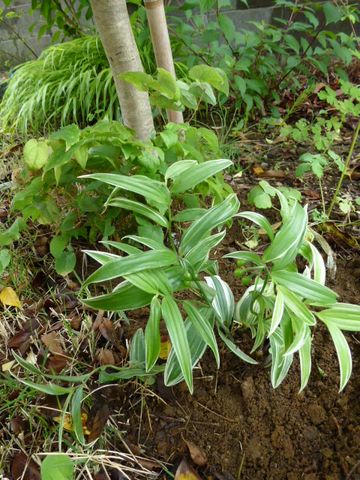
(66, 16)
(69, 83)
(283, 304)
(264, 60)
(262, 195)
(49, 191)
(57, 467)
(174, 261)
(321, 134)
(166, 92)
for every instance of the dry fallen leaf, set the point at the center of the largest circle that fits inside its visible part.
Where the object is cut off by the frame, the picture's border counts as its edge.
(165, 348)
(257, 170)
(52, 341)
(66, 421)
(197, 455)
(186, 472)
(19, 339)
(6, 367)
(56, 363)
(8, 297)
(99, 417)
(25, 468)
(105, 357)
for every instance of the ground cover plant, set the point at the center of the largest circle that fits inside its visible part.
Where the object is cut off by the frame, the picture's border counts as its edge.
(51, 193)
(149, 309)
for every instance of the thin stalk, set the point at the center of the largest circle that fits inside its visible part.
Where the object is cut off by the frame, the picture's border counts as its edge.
(346, 166)
(322, 197)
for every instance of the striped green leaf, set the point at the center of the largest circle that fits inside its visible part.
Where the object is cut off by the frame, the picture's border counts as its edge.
(139, 208)
(198, 173)
(295, 306)
(177, 332)
(343, 353)
(305, 362)
(76, 414)
(178, 168)
(287, 241)
(313, 292)
(151, 281)
(153, 190)
(278, 312)
(259, 220)
(249, 257)
(342, 315)
(280, 364)
(214, 217)
(173, 374)
(152, 335)
(200, 253)
(124, 297)
(132, 264)
(203, 327)
(235, 349)
(223, 302)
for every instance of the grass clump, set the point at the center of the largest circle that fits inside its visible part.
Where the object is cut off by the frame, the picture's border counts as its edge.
(69, 83)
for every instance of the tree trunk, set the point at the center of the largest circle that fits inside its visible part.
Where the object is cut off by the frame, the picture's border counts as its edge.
(155, 12)
(113, 24)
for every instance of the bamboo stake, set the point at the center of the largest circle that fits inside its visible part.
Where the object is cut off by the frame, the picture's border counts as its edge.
(155, 12)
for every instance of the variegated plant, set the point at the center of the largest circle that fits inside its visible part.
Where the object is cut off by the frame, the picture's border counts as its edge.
(283, 305)
(173, 257)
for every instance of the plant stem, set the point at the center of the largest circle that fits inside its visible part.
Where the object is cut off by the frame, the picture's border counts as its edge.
(346, 166)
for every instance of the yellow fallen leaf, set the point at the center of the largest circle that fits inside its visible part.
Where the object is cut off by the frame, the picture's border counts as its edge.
(6, 367)
(68, 423)
(165, 348)
(9, 297)
(186, 472)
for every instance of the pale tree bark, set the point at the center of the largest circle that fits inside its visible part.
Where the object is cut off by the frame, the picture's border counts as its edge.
(155, 12)
(113, 24)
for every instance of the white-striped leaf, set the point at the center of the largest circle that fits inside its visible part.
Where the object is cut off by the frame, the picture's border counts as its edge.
(132, 264)
(151, 281)
(277, 312)
(305, 362)
(249, 257)
(137, 349)
(343, 353)
(214, 217)
(259, 220)
(313, 292)
(177, 332)
(178, 168)
(123, 247)
(198, 173)
(280, 364)
(200, 253)
(342, 315)
(173, 374)
(294, 305)
(301, 333)
(318, 265)
(152, 334)
(139, 208)
(124, 297)
(284, 247)
(155, 192)
(223, 302)
(203, 327)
